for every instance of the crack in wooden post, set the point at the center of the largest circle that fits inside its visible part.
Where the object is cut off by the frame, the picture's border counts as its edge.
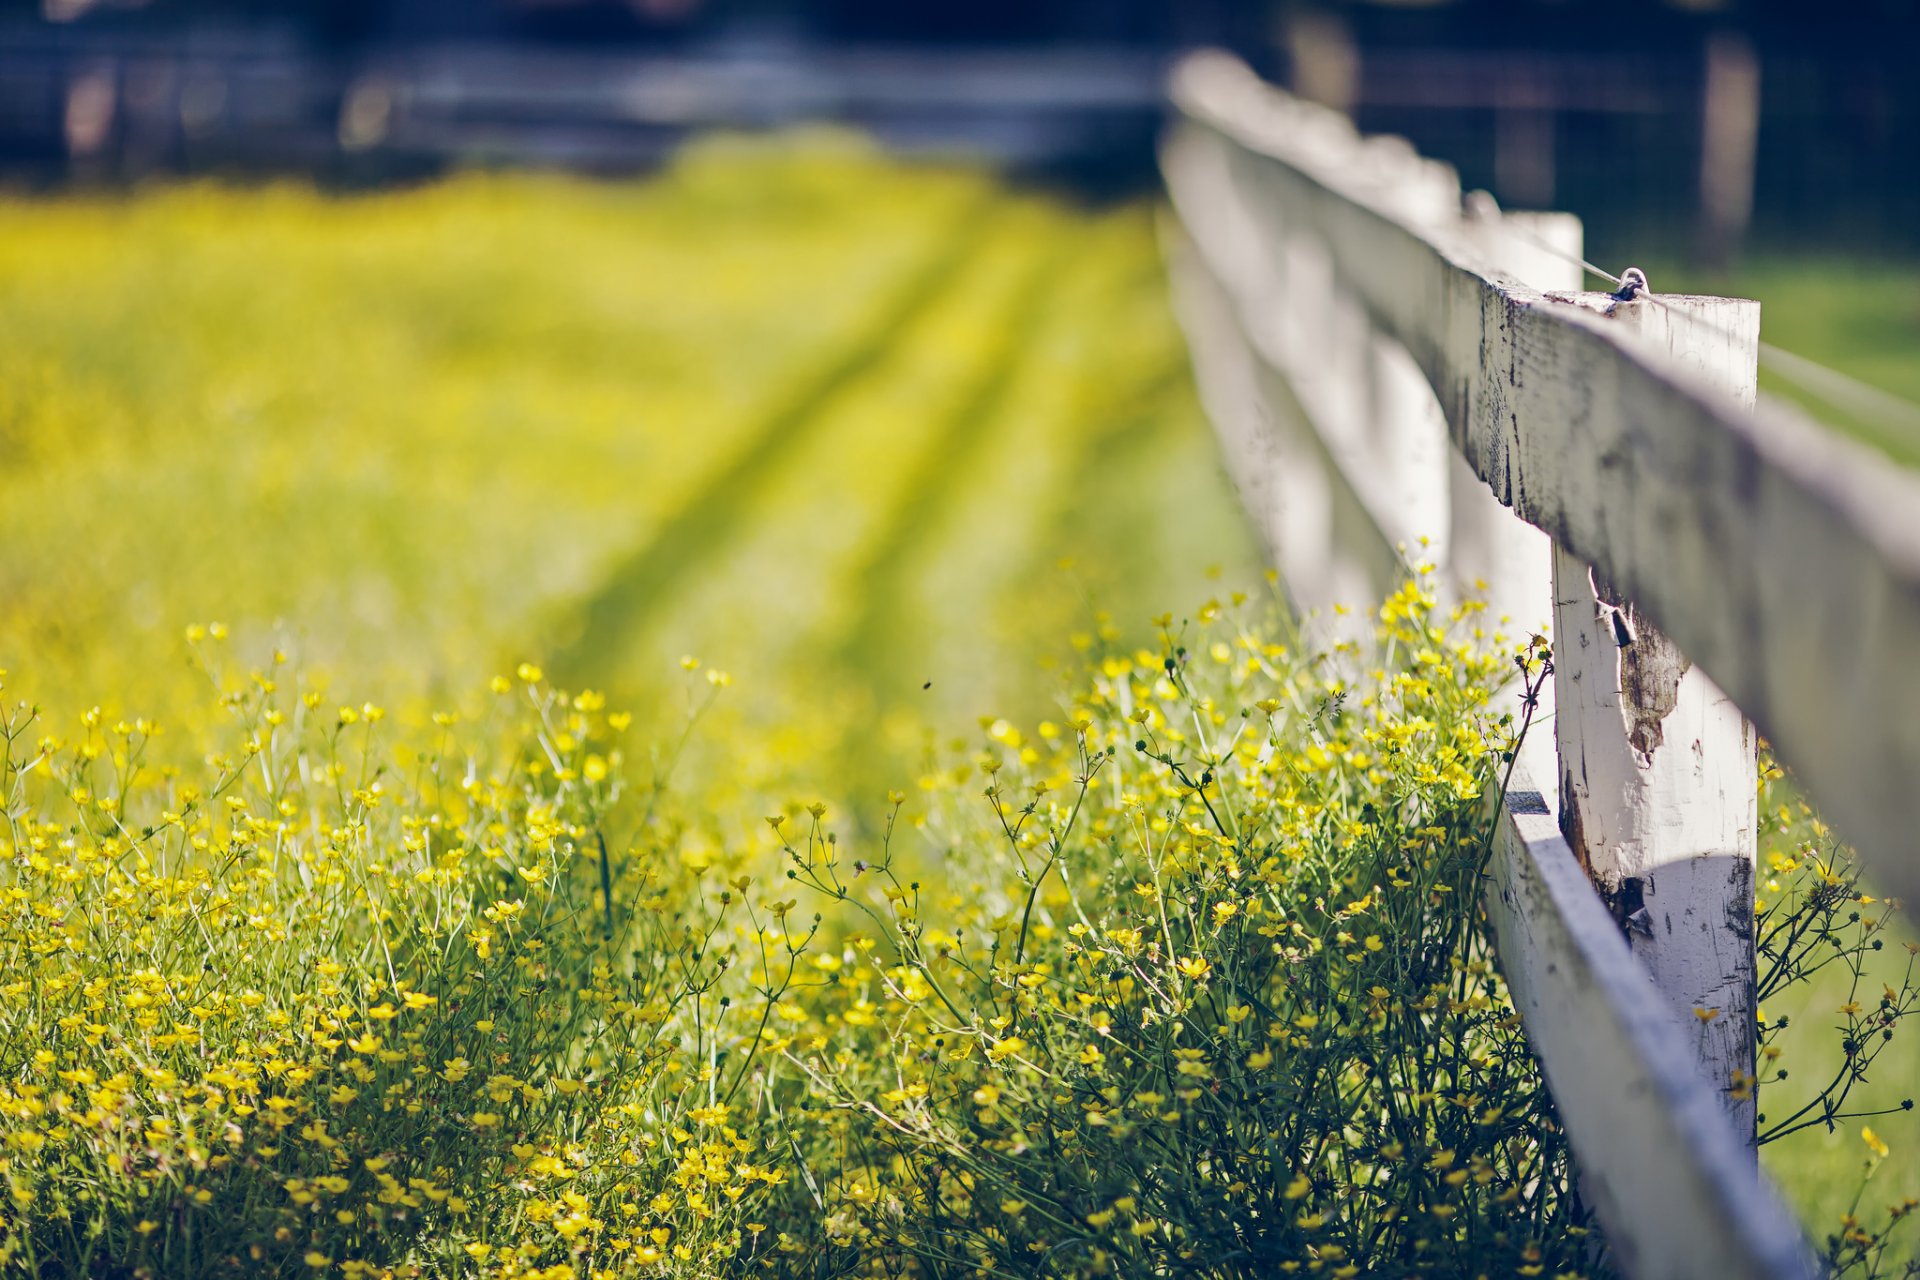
(1651, 669)
(1658, 767)
(1577, 411)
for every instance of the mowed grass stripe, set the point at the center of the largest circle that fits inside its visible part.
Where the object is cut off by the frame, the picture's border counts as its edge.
(952, 579)
(774, 606)
(717, 514)
(1148, 478)
(870, 646)
(455, 406)
(1013, 530)
(943, 591)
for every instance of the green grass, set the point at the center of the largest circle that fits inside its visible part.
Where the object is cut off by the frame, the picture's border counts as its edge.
(1819, 1167)
(1858, 316)
(857, 432)
(865, 436)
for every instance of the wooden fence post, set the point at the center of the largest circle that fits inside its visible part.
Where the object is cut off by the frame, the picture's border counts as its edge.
(1658, 769)
(1263, 305)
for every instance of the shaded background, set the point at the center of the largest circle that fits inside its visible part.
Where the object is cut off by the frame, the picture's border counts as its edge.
(1608, 110)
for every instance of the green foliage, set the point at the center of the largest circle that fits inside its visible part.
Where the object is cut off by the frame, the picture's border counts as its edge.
(1856, 314)
(516, 986)
(337, 998)
(1828, 945)
(839, 425)
(1203, 988)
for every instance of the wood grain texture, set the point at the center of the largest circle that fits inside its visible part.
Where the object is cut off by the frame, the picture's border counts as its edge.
(1782, 559)
(1657, 766)
(1332, 268)
(1491, 550)
(1676, 1192)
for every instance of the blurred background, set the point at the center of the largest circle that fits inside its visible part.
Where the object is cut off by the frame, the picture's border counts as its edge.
(824, 341)
(1707, 123)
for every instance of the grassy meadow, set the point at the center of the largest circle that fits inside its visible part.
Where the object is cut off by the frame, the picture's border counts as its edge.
(1858, 315)
(339, 940)
(829, 424)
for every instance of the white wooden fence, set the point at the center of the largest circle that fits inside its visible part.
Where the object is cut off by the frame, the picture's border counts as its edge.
(1386, 364)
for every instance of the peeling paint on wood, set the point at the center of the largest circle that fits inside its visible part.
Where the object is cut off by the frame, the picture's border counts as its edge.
(1677, 1195)
(1651, 668)
(1625, 431)
(1782, 559)
(1657, 788)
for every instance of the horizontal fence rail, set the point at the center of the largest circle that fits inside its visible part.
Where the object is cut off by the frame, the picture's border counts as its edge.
(1676, 1194)
(1397, 374)
(1783, 560)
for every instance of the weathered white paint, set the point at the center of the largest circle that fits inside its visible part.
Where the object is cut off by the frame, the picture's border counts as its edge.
(1492, 551)
(1356, 396)
(1612, 428)
(1290, 362)
(1676, 1192)
(1657, 766)
(1783, 560)
(1312, 525)
(1407, 437)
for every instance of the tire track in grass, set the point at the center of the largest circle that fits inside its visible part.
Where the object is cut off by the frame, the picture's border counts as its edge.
(717, 514)
(1162, 498)
(1092, 543)
(775, 607)
(868, 646)
(971, 585)
(1105, 453)
(1149, 501)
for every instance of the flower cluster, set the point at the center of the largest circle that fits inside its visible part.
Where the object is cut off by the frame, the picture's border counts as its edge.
(359, 999)
(1188, 977)
(1192, 982)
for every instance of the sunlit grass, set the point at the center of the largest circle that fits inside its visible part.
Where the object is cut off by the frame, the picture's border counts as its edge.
(834, 421)
(879, 442)
(1856, 315)
(865, 436)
